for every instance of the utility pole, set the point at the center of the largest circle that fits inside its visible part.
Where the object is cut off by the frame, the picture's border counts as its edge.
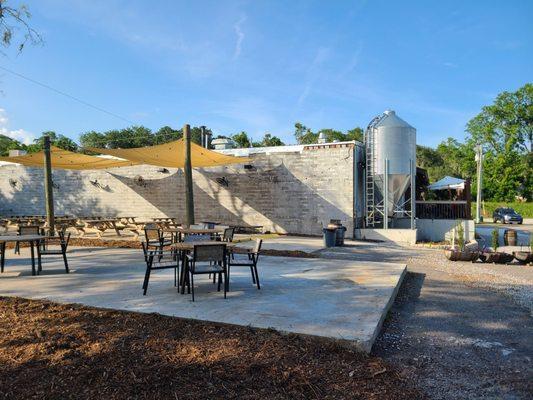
(479, 159)
(48, 186)
(187, 169)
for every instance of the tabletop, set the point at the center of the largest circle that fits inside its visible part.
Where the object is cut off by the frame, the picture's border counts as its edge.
(21, 238)
(199, 231)
(190, 245)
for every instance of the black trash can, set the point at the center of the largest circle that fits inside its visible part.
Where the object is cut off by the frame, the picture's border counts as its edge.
(330, 236)
(339, 237)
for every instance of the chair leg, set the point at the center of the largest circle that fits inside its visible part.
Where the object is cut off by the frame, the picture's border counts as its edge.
(192, 286)
(65, 260)
(257, 277)
(226, 283)
(39, 260)
(252, 272)
(219, 280)
(146, 278)
(2, 256)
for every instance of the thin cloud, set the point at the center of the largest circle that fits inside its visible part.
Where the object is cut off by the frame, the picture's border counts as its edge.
(18, 134)
(240, 36)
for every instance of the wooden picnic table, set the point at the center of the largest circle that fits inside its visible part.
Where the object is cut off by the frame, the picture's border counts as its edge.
(33, 240)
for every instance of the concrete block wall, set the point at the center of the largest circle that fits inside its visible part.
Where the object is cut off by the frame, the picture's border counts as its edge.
(292, 192)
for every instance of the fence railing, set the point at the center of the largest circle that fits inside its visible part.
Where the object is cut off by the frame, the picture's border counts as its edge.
(443, 209)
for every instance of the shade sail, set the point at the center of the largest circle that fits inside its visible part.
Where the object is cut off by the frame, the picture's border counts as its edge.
(172, 155)
(64, 159)
(448, 182)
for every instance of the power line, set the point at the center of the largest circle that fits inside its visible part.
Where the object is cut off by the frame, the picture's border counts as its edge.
(67, 95)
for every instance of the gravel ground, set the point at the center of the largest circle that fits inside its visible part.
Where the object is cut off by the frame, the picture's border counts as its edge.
(462, 330)
(514, 281)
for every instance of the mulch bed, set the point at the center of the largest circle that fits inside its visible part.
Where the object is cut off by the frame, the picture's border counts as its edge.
(48, 350)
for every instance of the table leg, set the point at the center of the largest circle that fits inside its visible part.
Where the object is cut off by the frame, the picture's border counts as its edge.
(32, 258)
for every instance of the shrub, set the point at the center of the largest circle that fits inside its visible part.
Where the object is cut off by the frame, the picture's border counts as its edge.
(495, 240)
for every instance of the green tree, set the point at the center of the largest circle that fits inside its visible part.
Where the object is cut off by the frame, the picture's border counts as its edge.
(505, 130)
(355, 134)
(7, 143)
(15, 20)
(60, 141)
(93, 139)
(304, 135)
(167, 134)
(432, 161)
(242, 140)
(270, 141)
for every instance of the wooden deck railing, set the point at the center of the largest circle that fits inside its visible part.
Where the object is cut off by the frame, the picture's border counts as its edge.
(443, 209)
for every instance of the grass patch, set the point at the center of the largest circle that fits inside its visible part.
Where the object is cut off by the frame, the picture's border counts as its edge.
(488, 207)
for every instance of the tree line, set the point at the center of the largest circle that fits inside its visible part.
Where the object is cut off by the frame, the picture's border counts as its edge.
(504, 129)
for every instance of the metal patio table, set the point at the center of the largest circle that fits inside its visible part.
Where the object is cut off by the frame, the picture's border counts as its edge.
(33, 240)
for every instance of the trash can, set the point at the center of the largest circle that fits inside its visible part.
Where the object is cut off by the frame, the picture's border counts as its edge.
(330, 236)
(339, 237)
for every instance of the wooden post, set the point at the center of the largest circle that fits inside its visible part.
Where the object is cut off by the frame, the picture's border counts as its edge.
(187, 169)
(48, 186)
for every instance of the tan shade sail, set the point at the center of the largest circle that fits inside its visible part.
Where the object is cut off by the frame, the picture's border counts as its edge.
(64, 159)
(172, 155)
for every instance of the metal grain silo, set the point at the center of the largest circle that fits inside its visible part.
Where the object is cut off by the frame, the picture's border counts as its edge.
(390, 145)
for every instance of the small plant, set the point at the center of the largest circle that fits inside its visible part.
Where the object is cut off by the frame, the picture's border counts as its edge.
(461, 236)
(495, 240)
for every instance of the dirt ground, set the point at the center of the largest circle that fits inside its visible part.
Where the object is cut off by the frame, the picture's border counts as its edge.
(49, 350)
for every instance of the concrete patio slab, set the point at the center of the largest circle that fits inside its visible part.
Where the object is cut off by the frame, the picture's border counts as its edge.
(339, 299)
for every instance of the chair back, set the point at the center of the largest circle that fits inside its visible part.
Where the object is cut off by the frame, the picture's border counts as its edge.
(195, 237)
(29, 230)
(257, 246)
(212, 253)
(228, 235)
(152, 233)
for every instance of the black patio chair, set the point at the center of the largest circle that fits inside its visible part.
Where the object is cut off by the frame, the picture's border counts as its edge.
(27, 230)
(228, 234)
(154, 237)
(159, 259)
(43, 249)
(249, 259)
(2, 255)
(207, 259)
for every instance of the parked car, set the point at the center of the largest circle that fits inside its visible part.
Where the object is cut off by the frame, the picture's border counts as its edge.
(506, 215)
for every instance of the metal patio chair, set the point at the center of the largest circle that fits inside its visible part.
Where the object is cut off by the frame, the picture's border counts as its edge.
(249, 259)
(27, 230)
(2, 255)
(154, 237)
(207, 259)
(44, 248)
(159, 259)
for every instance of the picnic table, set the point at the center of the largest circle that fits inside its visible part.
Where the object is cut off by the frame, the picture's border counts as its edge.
(33, 240)
(247, 228)
(98, 226)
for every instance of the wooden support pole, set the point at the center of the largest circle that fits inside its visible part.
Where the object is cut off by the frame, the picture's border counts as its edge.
(187, 169)
(48, 186)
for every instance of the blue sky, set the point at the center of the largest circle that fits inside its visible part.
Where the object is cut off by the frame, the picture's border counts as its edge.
(260, 66)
